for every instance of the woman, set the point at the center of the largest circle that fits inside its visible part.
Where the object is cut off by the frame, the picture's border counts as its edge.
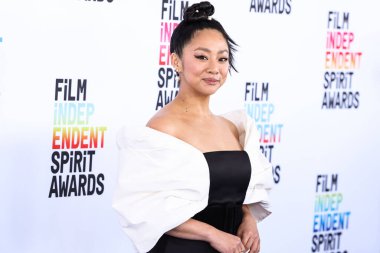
(192, 181)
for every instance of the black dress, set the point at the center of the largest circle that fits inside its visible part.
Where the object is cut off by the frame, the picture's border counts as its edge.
(230, 173)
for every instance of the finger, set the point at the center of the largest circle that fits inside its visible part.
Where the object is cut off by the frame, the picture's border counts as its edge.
(239, 246)
(242, 248)
(249, 243)
(246, 237)
(255, 247)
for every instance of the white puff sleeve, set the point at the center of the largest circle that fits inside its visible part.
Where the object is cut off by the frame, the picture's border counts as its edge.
(257, 196)
(162, 183)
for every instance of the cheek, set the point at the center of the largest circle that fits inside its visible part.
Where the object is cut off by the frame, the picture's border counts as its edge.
(224, 74)
(192, 67)
(224, 71)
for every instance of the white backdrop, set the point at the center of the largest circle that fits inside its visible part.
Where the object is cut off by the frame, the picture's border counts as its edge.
(321, 153)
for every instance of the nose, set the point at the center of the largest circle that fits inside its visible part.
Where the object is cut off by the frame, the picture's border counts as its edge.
(213, 67)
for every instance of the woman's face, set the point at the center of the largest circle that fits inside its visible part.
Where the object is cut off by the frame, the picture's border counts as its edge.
(204, 63)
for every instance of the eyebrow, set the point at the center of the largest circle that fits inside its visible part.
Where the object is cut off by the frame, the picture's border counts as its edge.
(208, 50)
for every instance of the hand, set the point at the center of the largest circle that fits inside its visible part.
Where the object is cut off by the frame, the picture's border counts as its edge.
(249, 234)
(226, 243)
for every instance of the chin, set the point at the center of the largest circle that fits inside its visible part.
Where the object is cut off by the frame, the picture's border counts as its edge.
(212, 89)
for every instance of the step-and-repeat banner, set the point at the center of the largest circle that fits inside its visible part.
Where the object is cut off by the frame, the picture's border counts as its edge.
(73, 72)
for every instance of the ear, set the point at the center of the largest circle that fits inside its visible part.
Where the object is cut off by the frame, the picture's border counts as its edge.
(176, 62)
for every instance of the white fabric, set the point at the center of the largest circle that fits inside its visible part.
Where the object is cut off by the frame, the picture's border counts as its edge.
(164, 181)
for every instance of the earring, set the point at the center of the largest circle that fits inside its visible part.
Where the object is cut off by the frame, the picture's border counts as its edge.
(177, 75)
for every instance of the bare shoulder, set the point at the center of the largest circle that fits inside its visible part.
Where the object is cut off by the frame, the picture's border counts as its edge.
(164, 121)
(231, 126)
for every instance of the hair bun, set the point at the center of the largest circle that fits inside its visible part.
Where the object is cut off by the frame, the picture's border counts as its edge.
(198, 11)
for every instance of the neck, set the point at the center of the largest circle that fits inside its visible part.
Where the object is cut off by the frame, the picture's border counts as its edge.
(193, 104)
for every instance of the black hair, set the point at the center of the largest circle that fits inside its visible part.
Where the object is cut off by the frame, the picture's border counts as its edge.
(196, 18)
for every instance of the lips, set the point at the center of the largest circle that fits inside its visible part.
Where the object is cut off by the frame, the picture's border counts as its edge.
(211, 81)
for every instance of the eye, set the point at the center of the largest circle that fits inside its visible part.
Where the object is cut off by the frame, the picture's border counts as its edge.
(201, 57)
(223, 59)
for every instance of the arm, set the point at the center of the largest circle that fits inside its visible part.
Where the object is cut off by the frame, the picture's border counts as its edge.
(248, 231)
(196, 230)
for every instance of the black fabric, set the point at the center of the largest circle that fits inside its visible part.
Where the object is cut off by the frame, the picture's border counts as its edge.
(230, 173)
